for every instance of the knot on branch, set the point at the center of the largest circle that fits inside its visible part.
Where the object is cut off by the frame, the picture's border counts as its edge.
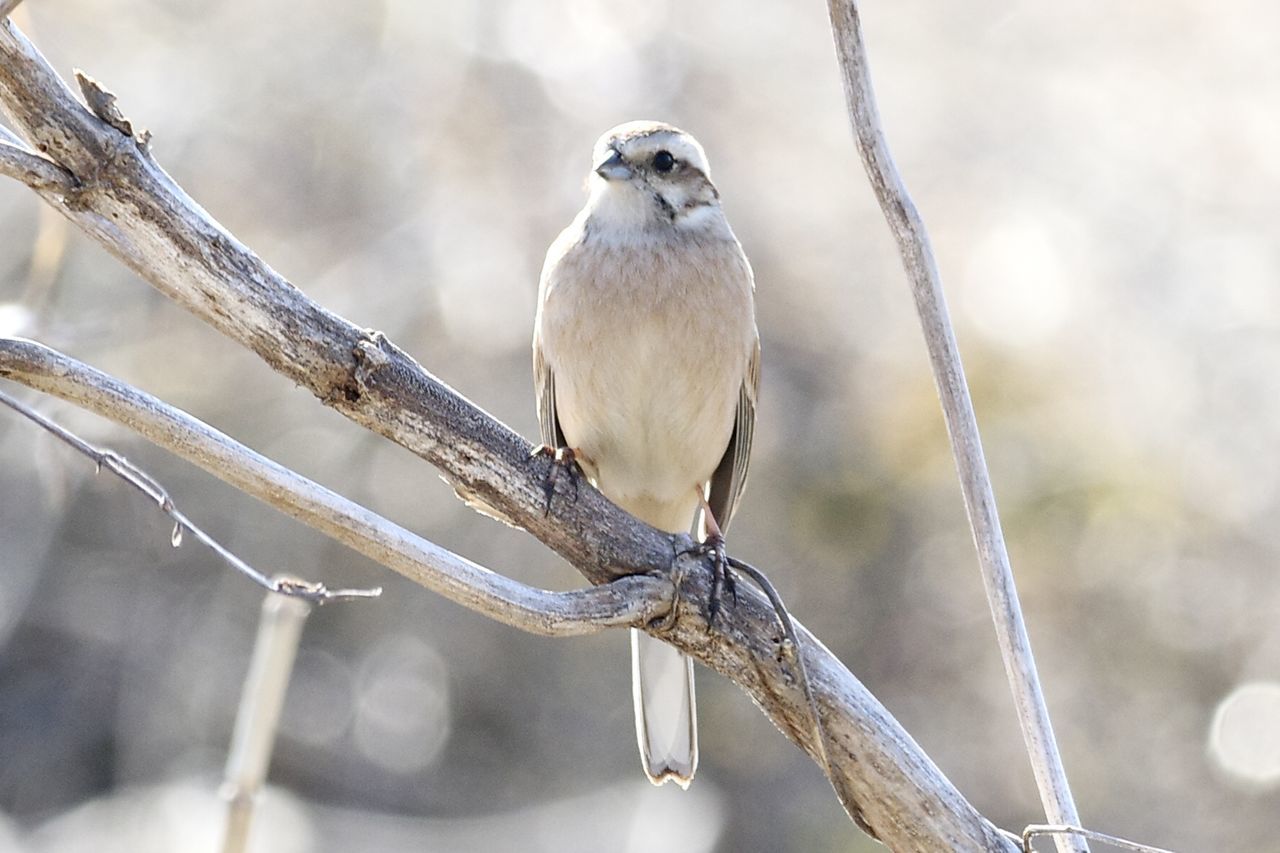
(371, 357)
(102, 103)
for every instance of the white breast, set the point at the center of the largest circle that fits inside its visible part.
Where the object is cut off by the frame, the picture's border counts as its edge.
(649, 347)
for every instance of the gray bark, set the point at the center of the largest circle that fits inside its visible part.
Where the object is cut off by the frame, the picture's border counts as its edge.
(125, 201)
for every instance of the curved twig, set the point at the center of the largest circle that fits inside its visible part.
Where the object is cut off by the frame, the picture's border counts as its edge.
(628, 602)
(310, 591)
(962, 424)
(1036, 830)
(793, 648)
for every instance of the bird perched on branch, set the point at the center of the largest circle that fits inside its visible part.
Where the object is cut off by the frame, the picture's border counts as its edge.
(646, 366)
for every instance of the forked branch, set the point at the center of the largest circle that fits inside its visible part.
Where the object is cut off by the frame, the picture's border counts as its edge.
(126, 202)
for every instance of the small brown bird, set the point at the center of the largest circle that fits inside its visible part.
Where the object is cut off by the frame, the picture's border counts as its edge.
(646, 365)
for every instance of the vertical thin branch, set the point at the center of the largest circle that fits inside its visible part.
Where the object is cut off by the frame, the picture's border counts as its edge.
(279, 631)
(962, 425)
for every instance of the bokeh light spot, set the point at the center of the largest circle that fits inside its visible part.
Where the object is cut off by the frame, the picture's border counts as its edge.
(1017, 290)
(402, 715)
(15, 320)
(1244, 737)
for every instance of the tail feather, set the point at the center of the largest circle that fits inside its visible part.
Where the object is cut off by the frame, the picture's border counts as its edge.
(662, 676)
(666, 716)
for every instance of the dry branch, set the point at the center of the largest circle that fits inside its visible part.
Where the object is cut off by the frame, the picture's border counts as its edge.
(147, 485)
(22, 164)
(962, 424)
(127, 203)
(627, 602)
(280, 626)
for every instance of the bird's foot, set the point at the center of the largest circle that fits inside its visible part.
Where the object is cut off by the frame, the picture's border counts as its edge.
(564, 463)
(722, 579)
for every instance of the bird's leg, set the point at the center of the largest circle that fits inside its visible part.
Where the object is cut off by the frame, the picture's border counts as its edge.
(713, 545)
(564, 461)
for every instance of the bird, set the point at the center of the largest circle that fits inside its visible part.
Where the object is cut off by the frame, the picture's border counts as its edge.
(646, 363)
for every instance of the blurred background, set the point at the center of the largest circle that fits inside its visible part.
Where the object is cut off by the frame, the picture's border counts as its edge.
(1102, 183)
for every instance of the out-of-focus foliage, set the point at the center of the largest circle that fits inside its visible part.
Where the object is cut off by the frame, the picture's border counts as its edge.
(1102, 182)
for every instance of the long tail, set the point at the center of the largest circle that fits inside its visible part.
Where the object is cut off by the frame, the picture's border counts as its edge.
(662, 676)
(666, 715)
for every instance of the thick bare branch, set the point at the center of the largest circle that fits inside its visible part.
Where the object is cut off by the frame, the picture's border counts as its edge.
(866, 748)
(962, 425)
(136, 211)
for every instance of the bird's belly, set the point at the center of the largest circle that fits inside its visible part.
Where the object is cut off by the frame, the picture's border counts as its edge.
(653, 415)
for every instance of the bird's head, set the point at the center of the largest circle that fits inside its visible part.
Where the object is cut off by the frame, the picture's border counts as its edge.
(648, 176)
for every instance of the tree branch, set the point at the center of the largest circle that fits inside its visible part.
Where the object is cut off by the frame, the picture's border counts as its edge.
(630, 601)
(144, 483)
(24, 165)
(128, 204)
(275, 650)
(962, 424)
(134, 209)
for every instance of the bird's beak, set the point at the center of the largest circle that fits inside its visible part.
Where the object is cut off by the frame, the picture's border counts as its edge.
(613, 167)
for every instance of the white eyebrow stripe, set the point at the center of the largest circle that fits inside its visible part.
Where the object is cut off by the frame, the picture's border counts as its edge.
(680, 145)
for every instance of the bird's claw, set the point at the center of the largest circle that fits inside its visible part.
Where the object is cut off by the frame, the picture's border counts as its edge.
(564, 461)
(722, 579)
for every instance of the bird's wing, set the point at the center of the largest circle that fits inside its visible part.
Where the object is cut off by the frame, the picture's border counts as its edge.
(544, 387)
(731, 474)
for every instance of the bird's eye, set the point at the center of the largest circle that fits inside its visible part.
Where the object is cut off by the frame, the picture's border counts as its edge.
(663, 161)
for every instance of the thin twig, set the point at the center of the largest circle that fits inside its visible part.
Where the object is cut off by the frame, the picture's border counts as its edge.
(257, 720)
(793, 647)
(1032, 832)
(962, 425)
(133, 475)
